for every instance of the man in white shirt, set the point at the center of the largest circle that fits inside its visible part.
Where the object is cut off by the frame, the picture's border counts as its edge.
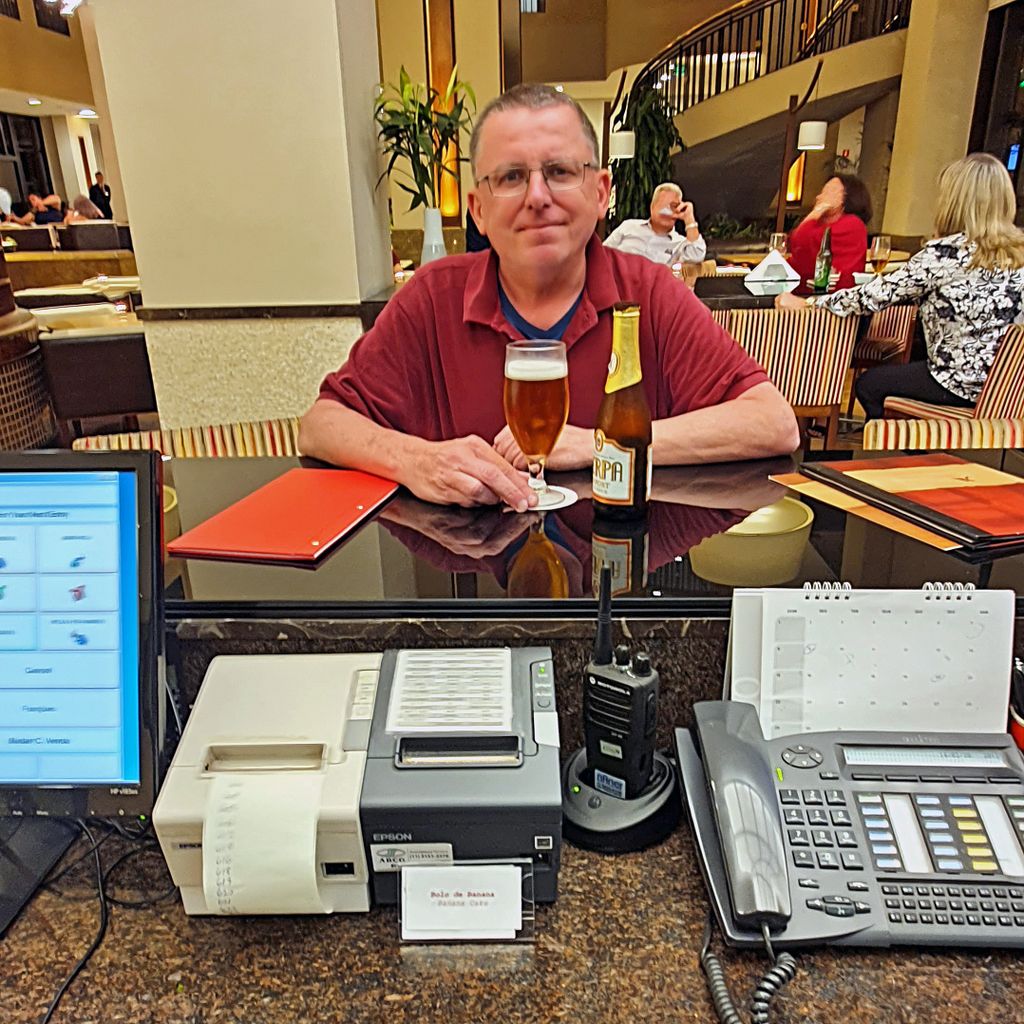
(656, 237)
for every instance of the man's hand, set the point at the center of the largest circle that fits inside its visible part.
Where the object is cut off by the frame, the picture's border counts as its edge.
(474, 535)
(787, 300)
(684, 212)
(574, 450)
(466, 471)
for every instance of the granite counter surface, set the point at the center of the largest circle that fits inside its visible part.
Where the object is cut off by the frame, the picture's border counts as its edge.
(620, 945)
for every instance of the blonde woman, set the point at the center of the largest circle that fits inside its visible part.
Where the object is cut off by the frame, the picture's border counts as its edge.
(968, 282)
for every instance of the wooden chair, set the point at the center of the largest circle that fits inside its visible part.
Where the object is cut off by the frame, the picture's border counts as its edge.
(888, 340)
(805, 353)
(997, 421)
(234, 440)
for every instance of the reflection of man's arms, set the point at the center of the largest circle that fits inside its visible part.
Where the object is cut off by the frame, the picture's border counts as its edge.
(461, 535)
(464, 471)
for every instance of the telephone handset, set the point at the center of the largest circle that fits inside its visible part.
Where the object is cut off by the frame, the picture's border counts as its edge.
(746, 812)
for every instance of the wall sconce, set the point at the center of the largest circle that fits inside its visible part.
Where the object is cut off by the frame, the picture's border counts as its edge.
(812, 135)
(621, 145)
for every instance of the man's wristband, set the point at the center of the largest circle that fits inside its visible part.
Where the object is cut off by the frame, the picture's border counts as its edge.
(692, 224)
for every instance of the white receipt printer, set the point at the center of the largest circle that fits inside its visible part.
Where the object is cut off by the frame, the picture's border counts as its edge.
(259, 813)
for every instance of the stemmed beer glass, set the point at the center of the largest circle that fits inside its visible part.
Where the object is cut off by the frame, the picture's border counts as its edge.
(536, 401)
(879, 253)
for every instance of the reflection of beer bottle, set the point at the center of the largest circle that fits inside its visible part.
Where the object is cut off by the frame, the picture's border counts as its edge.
(536, 570)
(622, 546)
(622, 436)
(823, 262)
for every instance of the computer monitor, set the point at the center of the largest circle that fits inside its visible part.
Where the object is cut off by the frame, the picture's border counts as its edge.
(81, 598)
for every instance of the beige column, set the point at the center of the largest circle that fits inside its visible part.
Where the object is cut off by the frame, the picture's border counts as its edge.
(876, 151)
(940, 74)
(111, 166)
(248, 161)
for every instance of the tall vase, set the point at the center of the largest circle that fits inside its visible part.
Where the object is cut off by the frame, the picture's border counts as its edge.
(433, 236)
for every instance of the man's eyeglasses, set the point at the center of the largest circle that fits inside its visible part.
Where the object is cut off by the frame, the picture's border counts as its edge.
(559, 176)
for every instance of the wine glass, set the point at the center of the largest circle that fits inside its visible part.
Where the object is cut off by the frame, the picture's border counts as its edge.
(777, 243)
(536, 401)
(879, 253)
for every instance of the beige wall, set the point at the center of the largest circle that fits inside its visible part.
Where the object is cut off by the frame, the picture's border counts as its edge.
(240, 172)
(67, 131)
(940, 76)
(566, 43)
(638, 29)
(40, 62)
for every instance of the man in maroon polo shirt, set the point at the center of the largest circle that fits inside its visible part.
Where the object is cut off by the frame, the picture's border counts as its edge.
(420, 398)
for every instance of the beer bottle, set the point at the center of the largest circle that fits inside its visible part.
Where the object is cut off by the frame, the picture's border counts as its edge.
(622, 436)
(622, 546)
(823, 262)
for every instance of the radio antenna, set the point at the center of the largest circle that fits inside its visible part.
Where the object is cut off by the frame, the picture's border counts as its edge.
(603, 639)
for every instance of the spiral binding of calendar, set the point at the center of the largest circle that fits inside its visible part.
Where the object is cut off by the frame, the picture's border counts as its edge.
(827, 586)
(948, 586)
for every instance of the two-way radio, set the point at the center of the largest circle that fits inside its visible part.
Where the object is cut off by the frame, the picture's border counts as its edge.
(620, 710)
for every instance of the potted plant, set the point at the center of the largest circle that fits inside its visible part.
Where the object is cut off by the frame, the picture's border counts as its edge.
(656, 136)
(418, 128)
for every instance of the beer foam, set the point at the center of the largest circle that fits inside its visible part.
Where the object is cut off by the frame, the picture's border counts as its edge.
(535, 369)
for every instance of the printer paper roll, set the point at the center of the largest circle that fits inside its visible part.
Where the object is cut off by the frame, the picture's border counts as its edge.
(259, 844)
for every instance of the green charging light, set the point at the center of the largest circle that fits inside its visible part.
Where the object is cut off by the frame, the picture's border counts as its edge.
(778, 774)
(576, 789)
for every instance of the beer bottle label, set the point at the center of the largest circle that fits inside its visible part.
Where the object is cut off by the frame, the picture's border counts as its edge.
(613, 471)
(617, 555)
(624, 369)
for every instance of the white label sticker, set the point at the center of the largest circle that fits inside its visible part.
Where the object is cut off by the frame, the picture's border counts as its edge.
(459, 903)
(613, 470)
(395, 856)
(611, 749)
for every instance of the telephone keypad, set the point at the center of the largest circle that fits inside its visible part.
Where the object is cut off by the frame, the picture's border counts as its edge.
(793, 816)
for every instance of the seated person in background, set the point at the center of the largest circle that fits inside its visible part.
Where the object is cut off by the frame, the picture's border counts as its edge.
(42, 211)
(420, 398)
(843, 204)
(82, 208)
(656, 237)
(969, 282)
(5, 205)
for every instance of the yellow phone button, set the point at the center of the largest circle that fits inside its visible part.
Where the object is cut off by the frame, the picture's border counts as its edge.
(964, 812)
(984, 865)
(969, 826)
(974, 840)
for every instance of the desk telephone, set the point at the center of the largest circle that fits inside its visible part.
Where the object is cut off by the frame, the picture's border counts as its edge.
(855, 838)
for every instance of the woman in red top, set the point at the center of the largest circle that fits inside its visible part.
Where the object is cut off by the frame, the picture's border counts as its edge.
(843, 205)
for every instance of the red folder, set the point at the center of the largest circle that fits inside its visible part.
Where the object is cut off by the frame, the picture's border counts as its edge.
(296, 518)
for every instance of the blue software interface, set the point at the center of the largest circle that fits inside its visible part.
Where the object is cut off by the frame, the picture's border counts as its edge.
(69, 628)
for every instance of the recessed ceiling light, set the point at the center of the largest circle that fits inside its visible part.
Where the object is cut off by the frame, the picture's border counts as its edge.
(559, 88)
(87, 112)
(33, 102)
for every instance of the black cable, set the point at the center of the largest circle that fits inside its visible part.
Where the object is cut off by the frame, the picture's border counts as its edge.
(147, 901)
(782, 971)
(100, 931)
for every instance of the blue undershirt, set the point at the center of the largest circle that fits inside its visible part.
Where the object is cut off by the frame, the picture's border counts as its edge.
(526, 329)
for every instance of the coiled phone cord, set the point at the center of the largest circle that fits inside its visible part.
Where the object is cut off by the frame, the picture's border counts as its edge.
(782, 971)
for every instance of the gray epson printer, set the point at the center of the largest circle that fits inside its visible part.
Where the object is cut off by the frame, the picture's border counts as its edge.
(302, 782)
(462, 764)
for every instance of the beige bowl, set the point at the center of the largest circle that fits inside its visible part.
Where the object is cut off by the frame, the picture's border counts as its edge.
(764, 550)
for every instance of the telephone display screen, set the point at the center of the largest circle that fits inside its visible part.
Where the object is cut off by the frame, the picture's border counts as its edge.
(923, 757)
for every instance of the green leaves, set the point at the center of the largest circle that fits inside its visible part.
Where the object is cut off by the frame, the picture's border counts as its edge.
(418, 128)
(656, 136)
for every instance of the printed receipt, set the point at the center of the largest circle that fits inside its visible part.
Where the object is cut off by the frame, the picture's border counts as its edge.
(259, 844)
(461, 902)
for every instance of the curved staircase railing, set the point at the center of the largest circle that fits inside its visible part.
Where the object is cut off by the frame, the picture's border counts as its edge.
(758, 37)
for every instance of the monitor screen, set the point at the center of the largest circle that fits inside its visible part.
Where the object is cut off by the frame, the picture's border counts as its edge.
(78, 640)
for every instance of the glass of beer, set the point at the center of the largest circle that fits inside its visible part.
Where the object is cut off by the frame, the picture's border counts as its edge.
(777, 242)
(879, 253)
(536, 401)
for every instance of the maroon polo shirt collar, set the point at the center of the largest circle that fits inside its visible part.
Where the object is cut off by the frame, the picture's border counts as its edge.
(481, 304)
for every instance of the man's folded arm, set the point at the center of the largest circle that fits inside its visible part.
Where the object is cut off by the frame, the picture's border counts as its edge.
(463, 471)
(757, 424)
